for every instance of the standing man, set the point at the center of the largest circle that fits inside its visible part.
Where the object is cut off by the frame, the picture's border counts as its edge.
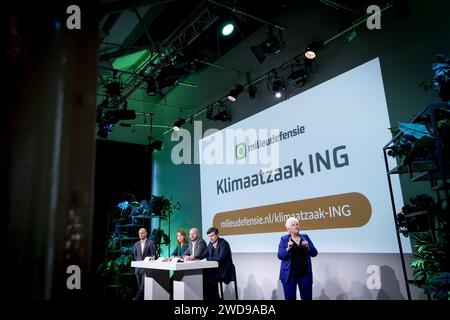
(218, 250)
(197, 247)
(143, 248)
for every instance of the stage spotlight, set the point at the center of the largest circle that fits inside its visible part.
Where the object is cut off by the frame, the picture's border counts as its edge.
(312, 48)
(223, 115)
(271, 46)
(227, 28)
(170, 76)
(115, 116)
(252, 91)
(177, 124)
(152, 89)
(278, 88)
(156, 145)
(232, 96)
(298, 78)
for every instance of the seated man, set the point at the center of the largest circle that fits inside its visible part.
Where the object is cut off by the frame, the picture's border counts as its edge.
(197, 247)
(217, 250)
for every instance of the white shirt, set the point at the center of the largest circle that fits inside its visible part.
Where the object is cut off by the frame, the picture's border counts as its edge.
(193, 247)
(142, 246)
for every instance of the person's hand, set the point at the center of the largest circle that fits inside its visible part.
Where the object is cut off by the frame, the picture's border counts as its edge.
(305, 244)
(290, 244)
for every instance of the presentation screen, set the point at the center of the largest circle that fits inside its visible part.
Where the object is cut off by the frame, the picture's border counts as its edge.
(317, 156)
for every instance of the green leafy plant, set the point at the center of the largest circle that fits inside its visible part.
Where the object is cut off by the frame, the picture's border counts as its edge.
(422, 149)
(160, 205)
(163, 207)
(401, 224)
(431, 267)
(126, 250)
(407, 222)
(438, 286)
(420, 202)
(414, 142)
(116, 270)
(110, 271)
(441, 80)
(415, 223)
(112, 268)
(157, 235)
(402, 145)
(114, 241)
(124, 262)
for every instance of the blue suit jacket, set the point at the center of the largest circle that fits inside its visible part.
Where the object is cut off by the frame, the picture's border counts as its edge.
(221, 254)
(285, 257)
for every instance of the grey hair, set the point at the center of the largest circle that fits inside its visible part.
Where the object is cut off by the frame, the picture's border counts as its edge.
(290, 221)
(194, 229)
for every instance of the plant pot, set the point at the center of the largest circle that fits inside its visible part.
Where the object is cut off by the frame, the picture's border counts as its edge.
(417, 221)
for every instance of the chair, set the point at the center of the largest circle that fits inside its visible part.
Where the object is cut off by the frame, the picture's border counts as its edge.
(234, 279)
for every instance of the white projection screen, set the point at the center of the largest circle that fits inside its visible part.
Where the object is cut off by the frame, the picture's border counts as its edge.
(316, 156)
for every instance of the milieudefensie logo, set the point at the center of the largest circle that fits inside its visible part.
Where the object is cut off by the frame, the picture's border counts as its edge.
(241, 151)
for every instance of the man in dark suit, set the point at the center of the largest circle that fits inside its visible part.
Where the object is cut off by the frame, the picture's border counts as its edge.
(143, 248)
(197, 246)
(218, 250)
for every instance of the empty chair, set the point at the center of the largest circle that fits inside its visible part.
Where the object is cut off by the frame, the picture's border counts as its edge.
(234, 279)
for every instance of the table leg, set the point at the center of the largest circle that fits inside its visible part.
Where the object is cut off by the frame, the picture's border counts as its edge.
(156, 285)
(188, 285)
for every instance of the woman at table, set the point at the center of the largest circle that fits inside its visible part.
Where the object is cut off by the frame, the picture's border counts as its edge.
(182, 244)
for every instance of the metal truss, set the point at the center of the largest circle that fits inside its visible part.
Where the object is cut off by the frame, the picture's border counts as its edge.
(169, 50)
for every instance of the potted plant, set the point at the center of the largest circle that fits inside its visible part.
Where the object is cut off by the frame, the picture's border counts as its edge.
(161, 206)
(114, 241)
(413, 143)
(157, 235)
(441, 80)
(126, 217)
(431, 269)
(156, 205)
(417, 222)
(112, 268)
(110, 271)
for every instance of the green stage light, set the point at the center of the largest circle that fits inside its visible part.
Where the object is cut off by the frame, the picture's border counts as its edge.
(227, 29)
